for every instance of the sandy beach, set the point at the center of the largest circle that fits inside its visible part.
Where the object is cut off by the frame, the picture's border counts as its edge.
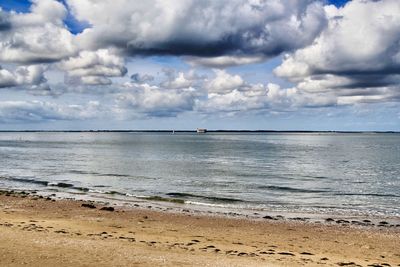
(39, 231)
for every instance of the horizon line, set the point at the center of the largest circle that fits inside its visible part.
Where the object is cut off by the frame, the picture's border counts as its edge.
(208, 131)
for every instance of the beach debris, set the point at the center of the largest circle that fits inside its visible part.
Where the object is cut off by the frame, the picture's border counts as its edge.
(347, 264)
(90, 206)
(107, 208)
(269, 217)
(342, 221)
(62, 231)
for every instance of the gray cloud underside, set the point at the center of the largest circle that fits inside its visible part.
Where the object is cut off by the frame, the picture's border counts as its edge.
(200, 28)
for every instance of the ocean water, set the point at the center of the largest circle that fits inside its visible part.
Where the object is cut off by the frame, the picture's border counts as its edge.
(356, 174)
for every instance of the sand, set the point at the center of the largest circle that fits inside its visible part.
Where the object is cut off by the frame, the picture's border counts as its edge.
(40, 232)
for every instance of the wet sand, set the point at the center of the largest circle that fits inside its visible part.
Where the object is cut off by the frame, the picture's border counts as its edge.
(37, 231)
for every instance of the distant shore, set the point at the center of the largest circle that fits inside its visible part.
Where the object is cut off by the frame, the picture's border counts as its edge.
(41, 231)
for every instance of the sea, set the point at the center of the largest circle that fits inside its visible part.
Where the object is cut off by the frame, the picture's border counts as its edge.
(355, 174)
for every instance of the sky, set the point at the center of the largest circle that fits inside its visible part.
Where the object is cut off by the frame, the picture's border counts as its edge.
(186, 64)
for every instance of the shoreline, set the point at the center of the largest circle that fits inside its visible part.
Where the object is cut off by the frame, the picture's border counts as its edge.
(178, 205)
(148, 236)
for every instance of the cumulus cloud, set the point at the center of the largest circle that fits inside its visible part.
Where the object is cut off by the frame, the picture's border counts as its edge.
(24, 75)
(187, 91)
(152, 101)
(180, 80)
(223, 93)
(294, 98)
(261, 98)
(224, 82)
(35, 37)
(200, 28)
(356, 58)
(234, 101)
(95, 67)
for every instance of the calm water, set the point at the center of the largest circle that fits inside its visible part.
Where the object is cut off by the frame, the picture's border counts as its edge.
(321, 173)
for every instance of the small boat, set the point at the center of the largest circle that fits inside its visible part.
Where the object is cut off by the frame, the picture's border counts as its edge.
(201, 130)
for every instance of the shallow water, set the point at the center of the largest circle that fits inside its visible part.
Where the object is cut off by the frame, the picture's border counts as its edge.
(303, 172)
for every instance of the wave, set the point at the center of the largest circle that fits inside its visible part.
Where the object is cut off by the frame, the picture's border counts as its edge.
(27, 180)
(113, 192)
(61, 184)
(164, 199)
(290, 189)
(98, 173)
(210, 198)
(46, 183)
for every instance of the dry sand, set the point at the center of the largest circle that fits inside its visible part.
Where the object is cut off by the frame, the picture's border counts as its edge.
(39, 232)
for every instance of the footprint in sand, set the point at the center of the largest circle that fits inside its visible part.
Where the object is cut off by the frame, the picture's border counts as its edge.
(306, 253)
(286, 253)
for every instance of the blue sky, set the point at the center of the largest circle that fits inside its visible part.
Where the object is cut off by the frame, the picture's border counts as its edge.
(161, 70)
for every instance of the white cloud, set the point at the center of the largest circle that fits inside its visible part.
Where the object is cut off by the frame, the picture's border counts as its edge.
(24, 75)
(38, 36)
(95, 67)
(180, 80)
(222, 93)
(234, 101)
(224, 82)
(357, 52)
(152, 101)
